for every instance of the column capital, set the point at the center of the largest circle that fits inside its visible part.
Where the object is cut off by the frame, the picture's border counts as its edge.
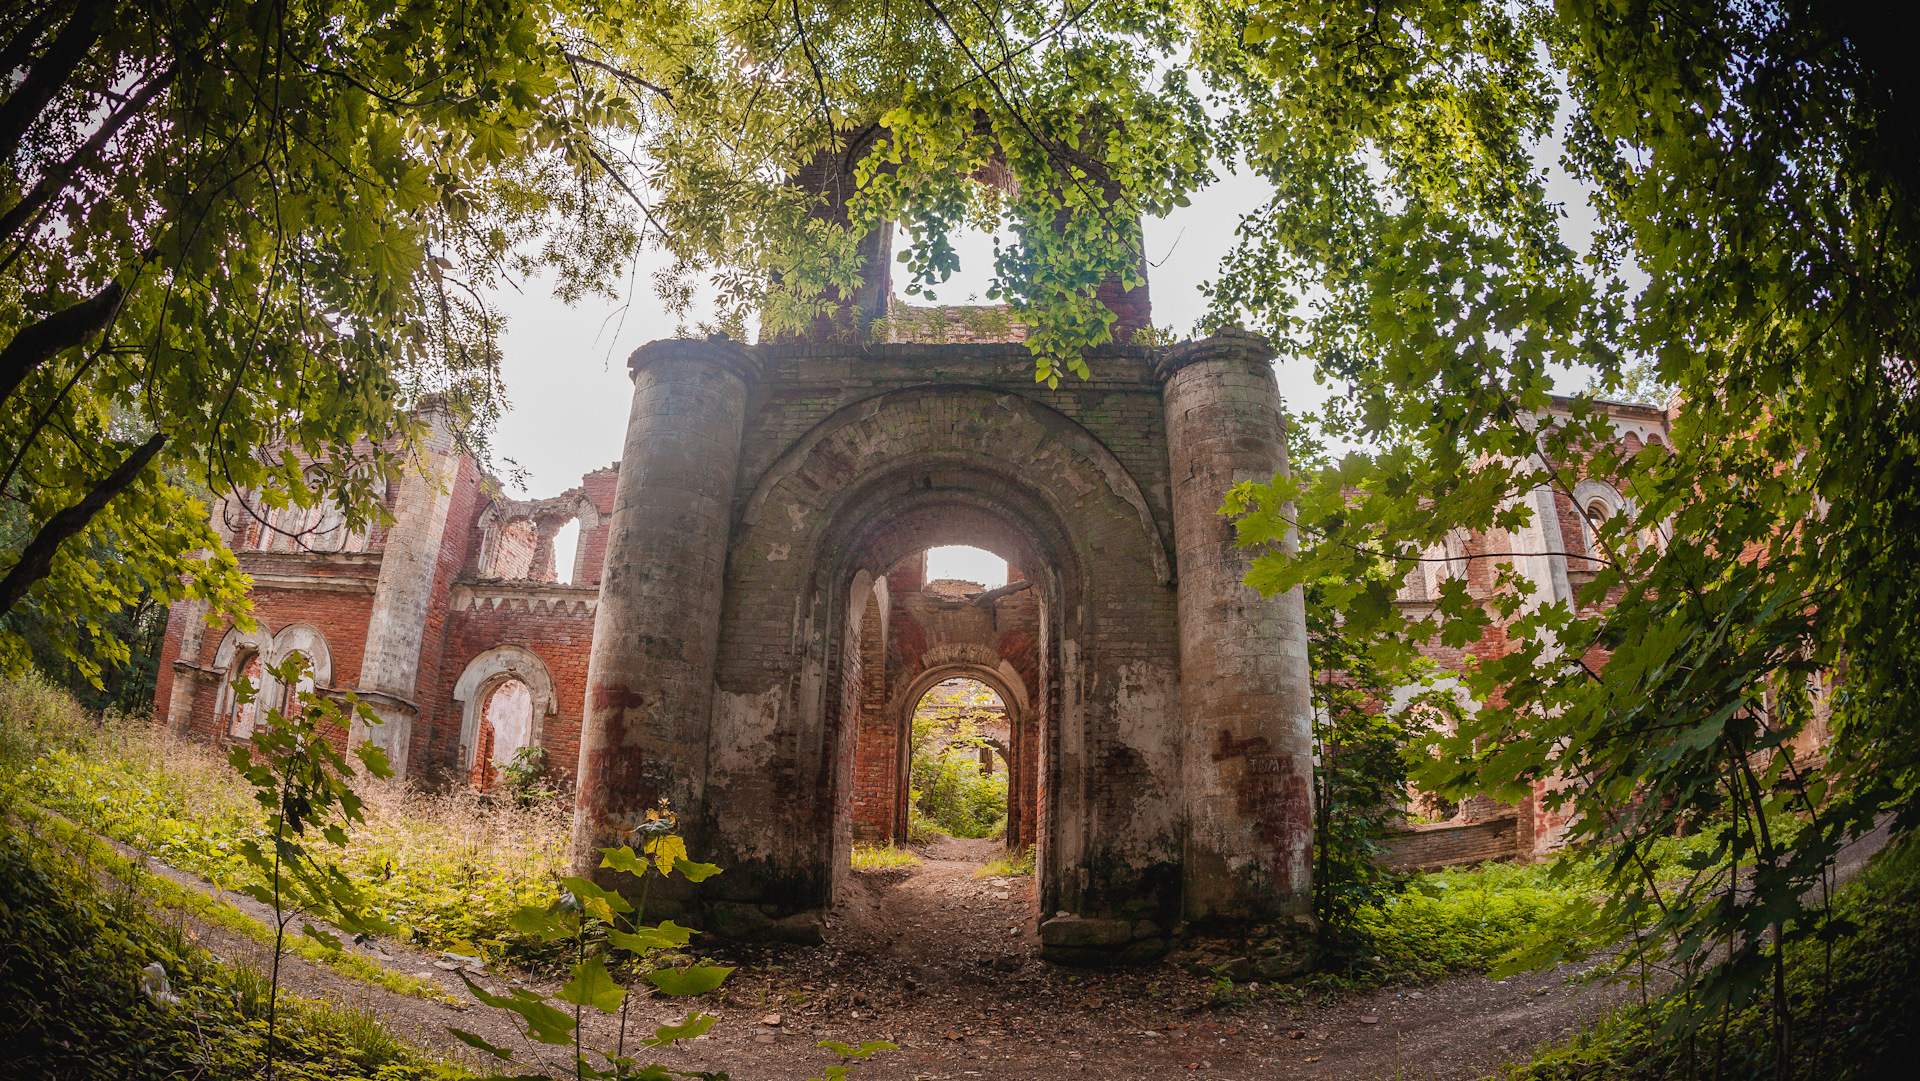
(716, 349)
(1229, 343)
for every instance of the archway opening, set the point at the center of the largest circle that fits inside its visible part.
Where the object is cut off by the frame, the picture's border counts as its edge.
(242, 716)
(947, 681)
(959, 729)
(506, 728)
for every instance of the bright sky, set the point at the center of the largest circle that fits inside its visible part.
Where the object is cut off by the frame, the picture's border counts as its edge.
(967, 564)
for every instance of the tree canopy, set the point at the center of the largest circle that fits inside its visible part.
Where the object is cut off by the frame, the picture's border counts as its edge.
(1752, 168)
(226, 227)
(239, 241)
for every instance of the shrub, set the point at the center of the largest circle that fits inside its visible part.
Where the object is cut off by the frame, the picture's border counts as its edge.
(955, 794)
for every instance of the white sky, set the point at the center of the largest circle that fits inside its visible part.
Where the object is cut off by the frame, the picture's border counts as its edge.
(565, 367)
(967, 564)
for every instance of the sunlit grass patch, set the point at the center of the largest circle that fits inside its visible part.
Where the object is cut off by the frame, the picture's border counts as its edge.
(885, 857)
(1014, 863)
(447, 868)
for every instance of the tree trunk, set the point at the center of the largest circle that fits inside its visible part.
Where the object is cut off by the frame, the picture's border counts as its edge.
(36, 560)
(37, 343)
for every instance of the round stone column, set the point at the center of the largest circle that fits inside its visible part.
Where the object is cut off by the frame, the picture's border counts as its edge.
(657, 628)
(1245, 690)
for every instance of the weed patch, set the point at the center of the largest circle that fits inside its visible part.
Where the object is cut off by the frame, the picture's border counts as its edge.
(1015, 863)
(882, 858)
(446, 870)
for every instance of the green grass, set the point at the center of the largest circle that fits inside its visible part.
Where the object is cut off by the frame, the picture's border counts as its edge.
(885, 857)
(1018, 863)
(169, 895)
(74, 943)
(448, 870)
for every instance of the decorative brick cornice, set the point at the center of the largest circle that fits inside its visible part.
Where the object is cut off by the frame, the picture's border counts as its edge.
(717, 349)
(532, 597)
(1228, 343)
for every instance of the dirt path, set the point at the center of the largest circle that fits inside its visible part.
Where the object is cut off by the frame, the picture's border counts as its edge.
(945, 964)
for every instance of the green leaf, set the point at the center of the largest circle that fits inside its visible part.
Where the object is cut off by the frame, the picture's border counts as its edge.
(480, 1044)
(697, 872)
(592, 985)
(326, 940)
(624, 859)
(546, 925)
(667, 936)
(544, 1023)
(691, 981)
(696, 1024)
(665, 850)
(374, 759)
(601, 903)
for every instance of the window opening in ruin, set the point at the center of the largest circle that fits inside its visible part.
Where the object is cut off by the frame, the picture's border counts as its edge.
(245, 714)
(513, 556)
(959, 727)
(972, 280)
(290, 696)
(959, 562)
(565, 545)
(506, 726)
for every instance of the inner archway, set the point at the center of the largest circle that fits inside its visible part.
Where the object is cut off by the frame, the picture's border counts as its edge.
(944, 681)
(958, 730)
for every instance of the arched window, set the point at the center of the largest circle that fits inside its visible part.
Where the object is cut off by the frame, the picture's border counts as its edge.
(290, 696)
(1599, 503)
(504, 692)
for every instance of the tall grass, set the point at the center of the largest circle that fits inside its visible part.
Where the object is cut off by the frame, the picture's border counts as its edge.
(447, 867)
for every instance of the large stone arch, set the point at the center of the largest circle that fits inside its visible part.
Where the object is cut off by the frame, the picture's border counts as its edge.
(758, 485)
(967, 423)
(892, 475)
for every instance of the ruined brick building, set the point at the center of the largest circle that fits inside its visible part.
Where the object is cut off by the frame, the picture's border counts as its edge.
(1555, 552)
(450, 623)
(760, 634)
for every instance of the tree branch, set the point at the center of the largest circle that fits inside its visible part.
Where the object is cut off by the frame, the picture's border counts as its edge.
(56, 65)
(37, 343)
(36, 559)
(57, 176)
